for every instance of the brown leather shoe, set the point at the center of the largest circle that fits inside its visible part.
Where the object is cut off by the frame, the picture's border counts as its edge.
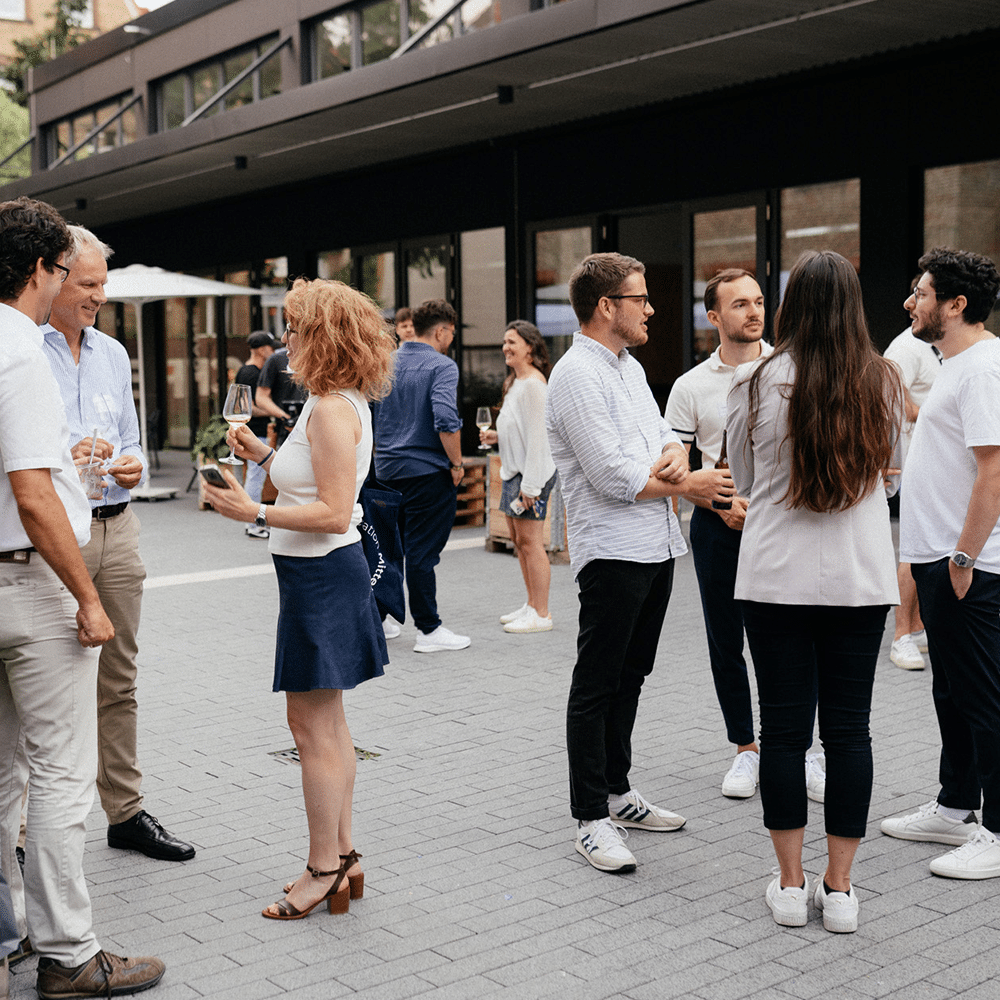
(105, 975)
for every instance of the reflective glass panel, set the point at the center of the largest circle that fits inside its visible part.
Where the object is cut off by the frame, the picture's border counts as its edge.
(378, 281)
(379, 31)
(557, 252)
(82, 124)
(422, 11)
(205, 83)
(426, 273)
(335, 264)
(270, 75)
(172, 102)
(820, 217)
(726, 238)
(332, 46)
(962, 209)
(231, 68)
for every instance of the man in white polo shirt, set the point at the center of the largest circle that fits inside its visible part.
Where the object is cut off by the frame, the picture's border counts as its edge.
(51, 624)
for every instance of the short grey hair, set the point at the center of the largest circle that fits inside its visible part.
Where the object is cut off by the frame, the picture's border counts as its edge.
(81, 239)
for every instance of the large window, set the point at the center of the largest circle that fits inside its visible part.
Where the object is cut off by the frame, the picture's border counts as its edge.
(962, 210)
(180, 94)
(557, 252)
(484, 307)
(62, 135)
(821, 217)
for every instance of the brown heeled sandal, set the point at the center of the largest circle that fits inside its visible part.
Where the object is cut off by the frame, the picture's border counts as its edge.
(338, 897)
(356, 881)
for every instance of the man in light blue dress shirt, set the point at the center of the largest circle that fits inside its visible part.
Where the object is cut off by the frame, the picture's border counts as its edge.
(94, 375)
(619, 463)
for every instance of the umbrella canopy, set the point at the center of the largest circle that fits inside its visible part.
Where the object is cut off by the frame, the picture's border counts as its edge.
(139, 284)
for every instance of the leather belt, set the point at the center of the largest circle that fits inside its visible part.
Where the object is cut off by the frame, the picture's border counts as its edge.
(108, 510)
(16, 556)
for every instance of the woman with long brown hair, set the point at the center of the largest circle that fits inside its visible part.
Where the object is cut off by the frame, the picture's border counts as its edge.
(329, 634)
(812, 431)
(526, 468)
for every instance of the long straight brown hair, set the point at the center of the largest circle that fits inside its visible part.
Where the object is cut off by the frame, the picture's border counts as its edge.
(845, 404)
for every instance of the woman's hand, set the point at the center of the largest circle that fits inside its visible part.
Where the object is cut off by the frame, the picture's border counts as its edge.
(488, 437)
(245, 444)
(529, 502)
(233, 503)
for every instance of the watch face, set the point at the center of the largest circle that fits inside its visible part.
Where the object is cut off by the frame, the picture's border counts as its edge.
(962, 560)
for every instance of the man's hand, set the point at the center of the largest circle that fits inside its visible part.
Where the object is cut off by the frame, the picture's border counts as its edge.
(126, 472)
(672, 465)
(710, 484)
(81, 451)
(94, 628)
(457, 475)
(735, 517)
(961, 579)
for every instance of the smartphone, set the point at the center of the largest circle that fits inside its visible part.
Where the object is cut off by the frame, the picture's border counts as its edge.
(211, 474)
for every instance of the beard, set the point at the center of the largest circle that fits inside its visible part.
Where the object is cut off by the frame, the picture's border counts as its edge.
(633, 336)
(745, 334)
(931, 331)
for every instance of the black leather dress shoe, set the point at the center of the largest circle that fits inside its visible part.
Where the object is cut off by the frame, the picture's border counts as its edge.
(143, 833)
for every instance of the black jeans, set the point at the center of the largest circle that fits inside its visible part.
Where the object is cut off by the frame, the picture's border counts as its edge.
(801, 653)
(963, 639)
(426, 517)
(622, 605)
(716, 550)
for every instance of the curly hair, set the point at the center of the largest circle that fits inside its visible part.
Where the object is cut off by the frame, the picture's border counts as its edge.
(845, 404)
(344, 342)
(29, 230)
(532, 336)
(598, 275)
(432, 313)
(959, 272)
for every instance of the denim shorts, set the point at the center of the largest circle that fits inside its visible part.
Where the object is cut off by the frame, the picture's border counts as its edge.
(511, 490)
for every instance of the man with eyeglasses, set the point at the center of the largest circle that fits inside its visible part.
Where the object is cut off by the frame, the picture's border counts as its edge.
(949, 533)
(620, 464)
(51, 624)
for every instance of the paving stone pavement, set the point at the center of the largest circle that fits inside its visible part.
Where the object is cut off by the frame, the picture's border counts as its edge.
(472, 886)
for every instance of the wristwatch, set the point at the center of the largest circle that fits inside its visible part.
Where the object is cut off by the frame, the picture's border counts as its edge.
(261, 519)
(962, 560)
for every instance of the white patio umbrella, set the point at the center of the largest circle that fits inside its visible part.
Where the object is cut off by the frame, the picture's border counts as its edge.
(138, 284)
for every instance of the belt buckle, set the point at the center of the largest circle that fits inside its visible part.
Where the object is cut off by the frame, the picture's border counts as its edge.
(16, 556)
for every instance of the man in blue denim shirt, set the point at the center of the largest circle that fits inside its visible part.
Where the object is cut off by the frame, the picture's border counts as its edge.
(417, 451)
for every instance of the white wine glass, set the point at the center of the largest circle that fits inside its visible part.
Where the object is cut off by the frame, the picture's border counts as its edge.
(483, 420)
(237, 410)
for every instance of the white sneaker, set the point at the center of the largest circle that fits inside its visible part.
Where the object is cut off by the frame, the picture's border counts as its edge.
(439, 640)
(643, 815)
(905, 654)
(840, 909)
(530, 621)
(928, 825)
(391, 627)
(789, 907)
(920, 640)
(978, 857)
(514, 615)
(816, 776)
(604, 847)
(255, 531)
(741, 779)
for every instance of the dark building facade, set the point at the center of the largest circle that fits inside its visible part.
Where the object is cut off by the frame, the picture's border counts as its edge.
(477, 150)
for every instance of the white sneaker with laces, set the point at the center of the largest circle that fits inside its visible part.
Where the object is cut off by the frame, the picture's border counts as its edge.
(530, 621)
(391, 627)
(929, 826)
(514, 615)
(255, 531)
(604, 847)
(741, 779)
(905, 654)
(840, 909)
(789, 907)
(439, 640)
(643, 815)
(920, 640)
(978, 857)
(816, 776)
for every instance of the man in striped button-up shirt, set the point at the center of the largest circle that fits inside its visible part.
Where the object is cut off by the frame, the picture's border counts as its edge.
(619, 464)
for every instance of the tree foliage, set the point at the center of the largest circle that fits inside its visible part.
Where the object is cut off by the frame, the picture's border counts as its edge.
(62, 35)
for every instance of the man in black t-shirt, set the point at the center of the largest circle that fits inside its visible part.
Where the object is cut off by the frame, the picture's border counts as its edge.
(261, 346)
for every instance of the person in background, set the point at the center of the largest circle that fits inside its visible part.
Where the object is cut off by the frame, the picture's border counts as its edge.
(261, 344)
(812, 431)
(526, 468)
(404, 324)
(329, 634)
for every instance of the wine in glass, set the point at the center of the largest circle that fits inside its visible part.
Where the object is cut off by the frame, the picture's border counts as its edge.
(237, 410)
(483, 421)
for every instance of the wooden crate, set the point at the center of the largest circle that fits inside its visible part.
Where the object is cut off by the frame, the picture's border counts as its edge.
(553, 528)
(472, 493)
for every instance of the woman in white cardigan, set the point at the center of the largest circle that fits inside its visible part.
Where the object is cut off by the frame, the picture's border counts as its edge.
(526, 468)
(812, 431)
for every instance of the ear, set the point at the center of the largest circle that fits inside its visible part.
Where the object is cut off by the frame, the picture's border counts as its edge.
(714, 318)
(958, 304)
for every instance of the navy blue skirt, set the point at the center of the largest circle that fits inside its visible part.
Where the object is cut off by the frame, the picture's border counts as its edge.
(329, 632)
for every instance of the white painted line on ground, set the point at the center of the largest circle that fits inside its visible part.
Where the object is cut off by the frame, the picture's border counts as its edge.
(209, 575)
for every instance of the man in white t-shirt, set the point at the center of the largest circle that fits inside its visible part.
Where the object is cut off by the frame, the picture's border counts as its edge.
(950, 536)
(918, 363)
(696, 411)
